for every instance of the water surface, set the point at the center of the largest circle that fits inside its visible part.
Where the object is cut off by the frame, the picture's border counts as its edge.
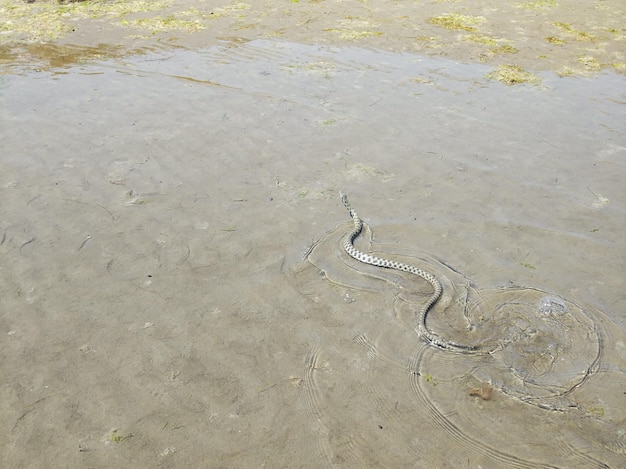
(174, 291)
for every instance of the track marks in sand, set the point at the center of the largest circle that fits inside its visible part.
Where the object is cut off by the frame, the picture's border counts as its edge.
(313, 399)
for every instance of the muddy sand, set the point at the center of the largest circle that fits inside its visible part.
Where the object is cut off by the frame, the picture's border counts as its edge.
(173, 287)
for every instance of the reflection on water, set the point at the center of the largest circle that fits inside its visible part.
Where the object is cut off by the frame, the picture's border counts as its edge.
(172, 269)
(55, 58)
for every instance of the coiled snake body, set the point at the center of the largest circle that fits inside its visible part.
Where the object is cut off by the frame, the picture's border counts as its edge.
(422, 329)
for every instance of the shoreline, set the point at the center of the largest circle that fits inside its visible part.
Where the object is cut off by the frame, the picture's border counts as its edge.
(530, 37)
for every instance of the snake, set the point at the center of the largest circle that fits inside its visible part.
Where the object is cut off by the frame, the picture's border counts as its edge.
(423, 331)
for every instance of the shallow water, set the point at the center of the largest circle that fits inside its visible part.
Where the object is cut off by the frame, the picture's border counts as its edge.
(174, 291)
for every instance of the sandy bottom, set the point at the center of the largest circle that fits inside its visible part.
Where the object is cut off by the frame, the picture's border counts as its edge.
(173, 291)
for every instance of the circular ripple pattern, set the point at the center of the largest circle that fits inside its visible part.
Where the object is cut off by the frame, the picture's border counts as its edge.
(549, 346)
(529, 344)
(544, 352)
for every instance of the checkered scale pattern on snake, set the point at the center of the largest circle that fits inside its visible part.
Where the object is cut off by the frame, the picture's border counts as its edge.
(422, 329)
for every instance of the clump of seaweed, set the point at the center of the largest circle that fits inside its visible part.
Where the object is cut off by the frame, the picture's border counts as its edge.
(512, 75)
(590, 63)
(168, 23)
(578, 35)
(114, 437)
(353, 28)
(537, 4)
(352, 34)
(457, 22)
(566, 71)
(47, 21)
(479, 39)
(504, 49)
(498, 46)
(554, 40)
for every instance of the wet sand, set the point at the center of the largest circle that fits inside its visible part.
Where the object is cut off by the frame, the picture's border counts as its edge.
(173, 290)
(570, 38)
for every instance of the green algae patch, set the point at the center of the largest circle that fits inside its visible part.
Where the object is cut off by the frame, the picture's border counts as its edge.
(590, 63)
(168, 23)
(353, 34)
(512, 75)
(47, 21)
(504, 49)
(479, 39)
(537, 5)
(554, 40)
(115, 8)
(499, 45)
(576, 34)
(457, 22)
(587, 65)
(566, 71)
(115, 437)
(230, 10)
(41, 22)
(354, 28)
